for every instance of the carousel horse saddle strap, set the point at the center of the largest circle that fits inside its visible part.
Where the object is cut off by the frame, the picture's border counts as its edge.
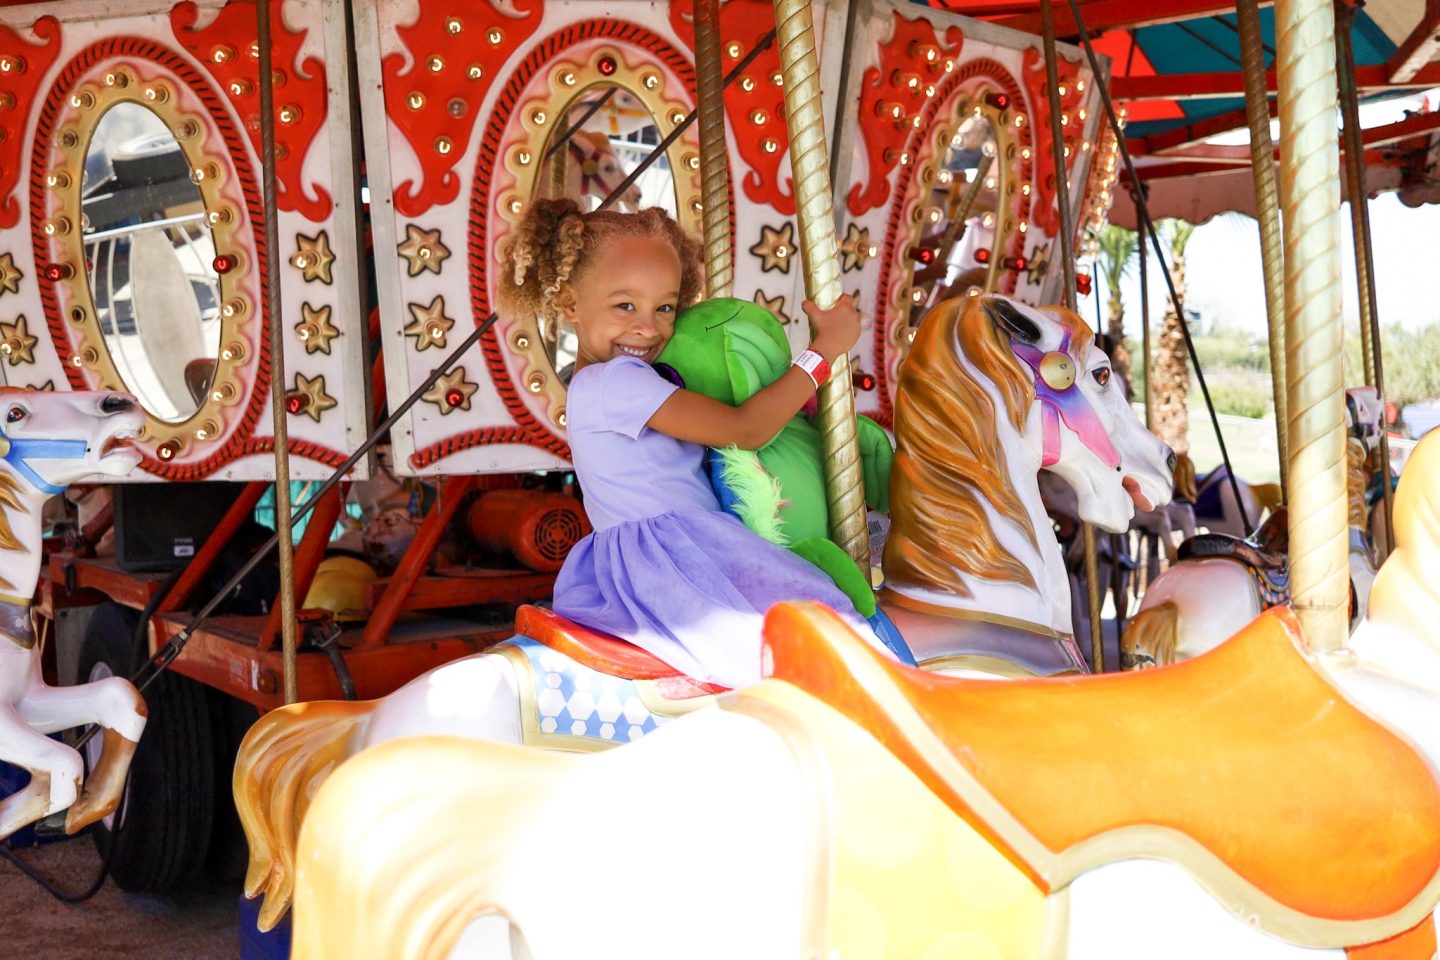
(1243, 766)
(1223, 546)
(591, 648)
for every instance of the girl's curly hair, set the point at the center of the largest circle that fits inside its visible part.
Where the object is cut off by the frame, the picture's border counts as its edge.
(555, 239)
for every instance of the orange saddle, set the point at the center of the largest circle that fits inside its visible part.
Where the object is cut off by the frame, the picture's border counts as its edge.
(607, 654)
(1243, 765)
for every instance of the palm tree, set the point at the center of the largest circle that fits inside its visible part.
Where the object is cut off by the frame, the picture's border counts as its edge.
(1172, 374)
(1117, 247)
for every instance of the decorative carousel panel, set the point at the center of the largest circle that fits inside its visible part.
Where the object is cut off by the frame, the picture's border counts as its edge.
(132, 242)
(464, 129)
(951, 177)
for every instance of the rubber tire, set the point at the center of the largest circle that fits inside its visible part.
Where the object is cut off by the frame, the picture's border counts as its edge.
(229, 854)
(165, 831)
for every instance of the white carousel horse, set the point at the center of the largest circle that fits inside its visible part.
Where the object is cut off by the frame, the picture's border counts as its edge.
(1257, 802)
(593, 169)
(974, 577)
(1180, 616)
(47, 442)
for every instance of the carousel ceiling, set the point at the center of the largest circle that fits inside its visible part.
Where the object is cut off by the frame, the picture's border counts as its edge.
(1176, 73)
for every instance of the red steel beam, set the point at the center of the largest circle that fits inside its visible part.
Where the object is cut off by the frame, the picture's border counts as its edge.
(1419, 48)
(1198, 86)
(1101, 15)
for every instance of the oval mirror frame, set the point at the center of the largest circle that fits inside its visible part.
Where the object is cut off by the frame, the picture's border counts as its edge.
(968, 103)
(538, 119)
(84, 108)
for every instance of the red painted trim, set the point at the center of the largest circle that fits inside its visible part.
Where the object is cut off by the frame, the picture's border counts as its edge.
(999, 75)
(240, 441)
(24, 87)
(527, 429)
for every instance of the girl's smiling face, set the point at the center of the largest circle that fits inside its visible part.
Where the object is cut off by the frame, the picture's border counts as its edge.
(623, 300)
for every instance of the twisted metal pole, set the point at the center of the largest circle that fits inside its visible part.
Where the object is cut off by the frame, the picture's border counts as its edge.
(1142, 210)
(1267, 210)
(1145, 322)
(276, 323)
(1067, 273)
(714, 161)
(1310, 199)
(809, 163)
(1354, 156)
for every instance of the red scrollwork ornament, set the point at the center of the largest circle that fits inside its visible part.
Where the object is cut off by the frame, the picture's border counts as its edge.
(914, 63)
(229, 52)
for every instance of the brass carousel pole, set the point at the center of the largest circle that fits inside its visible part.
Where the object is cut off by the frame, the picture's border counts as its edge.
(805, 123)
(1310, 199)
(1145, 321)
(714, 161)
(1067, 265)
(277, 355)
(1267, 209)
(1354, 158)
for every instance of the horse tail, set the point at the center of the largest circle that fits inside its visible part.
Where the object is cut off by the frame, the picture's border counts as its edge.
(282, 762)
(447, 814)
(1150, 637)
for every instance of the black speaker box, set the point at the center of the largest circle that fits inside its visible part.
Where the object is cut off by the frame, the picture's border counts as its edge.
(159, 526)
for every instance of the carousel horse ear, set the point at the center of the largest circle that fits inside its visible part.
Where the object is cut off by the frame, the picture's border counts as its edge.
(1007, 315)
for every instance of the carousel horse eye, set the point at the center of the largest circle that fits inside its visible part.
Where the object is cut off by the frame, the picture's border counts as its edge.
(1102, 376)
(15, 415)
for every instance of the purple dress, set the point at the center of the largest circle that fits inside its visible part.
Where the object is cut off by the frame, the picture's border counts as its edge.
(666, 569)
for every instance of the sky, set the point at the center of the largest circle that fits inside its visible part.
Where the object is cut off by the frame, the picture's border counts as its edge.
(1224, 279)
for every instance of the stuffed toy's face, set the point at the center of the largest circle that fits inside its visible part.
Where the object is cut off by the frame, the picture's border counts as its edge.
(727, 349)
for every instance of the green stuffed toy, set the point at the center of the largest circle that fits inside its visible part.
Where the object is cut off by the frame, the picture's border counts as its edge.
(729, 350)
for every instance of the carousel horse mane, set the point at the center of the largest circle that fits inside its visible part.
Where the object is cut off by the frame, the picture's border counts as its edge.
(949, 461)
(9, 500)
(1185, 488)
(1405, 588)
(1356, 478)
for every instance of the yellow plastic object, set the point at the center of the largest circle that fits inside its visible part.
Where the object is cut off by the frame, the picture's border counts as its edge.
(339, 586)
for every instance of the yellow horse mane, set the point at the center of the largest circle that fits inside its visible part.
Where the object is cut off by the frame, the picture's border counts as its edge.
(9, 500)
(948, 458)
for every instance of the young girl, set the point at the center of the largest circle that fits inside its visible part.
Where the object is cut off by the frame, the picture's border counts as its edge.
(665, 568)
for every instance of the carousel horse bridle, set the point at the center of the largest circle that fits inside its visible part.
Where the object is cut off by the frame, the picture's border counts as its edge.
(1058, 389)
(18, 453)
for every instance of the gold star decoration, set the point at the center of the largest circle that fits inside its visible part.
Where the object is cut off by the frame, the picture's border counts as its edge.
(451, 392)
(775, 305)
(430, 324)
(1037, 264)
(422, 250)
(315, 329)
(776, 247)
(16, 344)
(9, 276)
(316, 401)
(48, 386)
(313, 257)
(856, 249)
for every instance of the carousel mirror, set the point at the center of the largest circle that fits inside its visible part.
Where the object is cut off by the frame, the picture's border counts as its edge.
(611, 142)
(960, 222)
(150, 262)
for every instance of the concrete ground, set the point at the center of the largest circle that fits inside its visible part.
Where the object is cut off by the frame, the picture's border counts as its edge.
(199, 926)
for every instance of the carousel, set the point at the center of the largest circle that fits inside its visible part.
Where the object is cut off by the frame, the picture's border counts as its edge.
(262, 256)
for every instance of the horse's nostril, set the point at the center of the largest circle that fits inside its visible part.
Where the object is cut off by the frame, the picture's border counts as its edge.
(115, 403)
(1170, 461)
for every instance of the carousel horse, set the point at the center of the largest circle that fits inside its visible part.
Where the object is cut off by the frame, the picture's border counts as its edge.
(991, 393)
(1260, 801)
(47, 442)
(593, 169)
(1179, 617)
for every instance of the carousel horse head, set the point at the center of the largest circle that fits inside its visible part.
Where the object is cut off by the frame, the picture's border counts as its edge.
(51, 440)
(993, 389)
(594, 169)
(1363, 415)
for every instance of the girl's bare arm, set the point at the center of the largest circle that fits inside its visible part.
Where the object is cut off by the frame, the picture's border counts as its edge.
(697, 418)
